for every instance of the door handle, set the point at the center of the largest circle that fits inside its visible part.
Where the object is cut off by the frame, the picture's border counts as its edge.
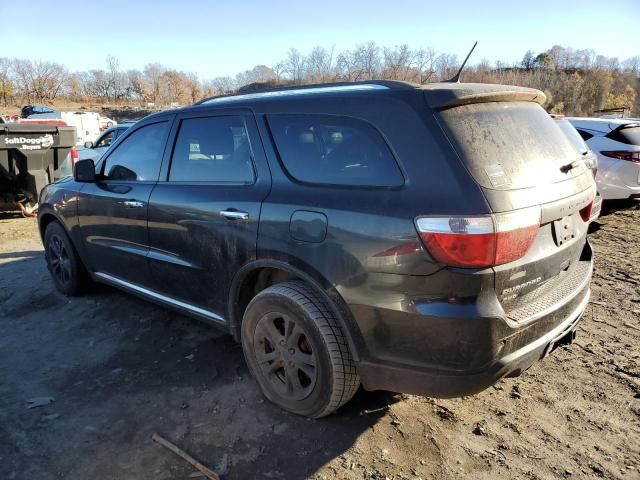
(234, 215)
(133, 204)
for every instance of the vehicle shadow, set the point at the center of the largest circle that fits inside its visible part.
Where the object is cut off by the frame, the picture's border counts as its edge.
(26, 255)
(10, 214)
(188, 382)
(613, 206)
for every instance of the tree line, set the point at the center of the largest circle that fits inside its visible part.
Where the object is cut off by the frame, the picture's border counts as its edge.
(576, 82)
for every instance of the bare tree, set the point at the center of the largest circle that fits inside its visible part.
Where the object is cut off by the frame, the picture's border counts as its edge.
(153, 74)
(223, 85)
(577, 82)
(320, 65)
(367, 60)
(294, 65)
(39, 80)
(258, 74)
(398, 63)
(194, 88)
(446, 66)
(425, 61)
(6, 84)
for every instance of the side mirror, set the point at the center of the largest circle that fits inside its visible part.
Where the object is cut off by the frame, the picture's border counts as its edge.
(88, 144)
(84, 171)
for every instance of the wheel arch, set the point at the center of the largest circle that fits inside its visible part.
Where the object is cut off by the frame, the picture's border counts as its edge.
(45, 217)
(260, 274)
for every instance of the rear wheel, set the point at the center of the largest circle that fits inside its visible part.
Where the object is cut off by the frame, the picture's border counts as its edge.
(63, 262)
(297, 352)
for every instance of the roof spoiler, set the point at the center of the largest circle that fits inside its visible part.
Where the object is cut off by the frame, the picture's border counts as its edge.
(454, 95)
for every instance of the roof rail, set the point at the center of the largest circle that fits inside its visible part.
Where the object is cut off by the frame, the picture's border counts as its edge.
(311, 88)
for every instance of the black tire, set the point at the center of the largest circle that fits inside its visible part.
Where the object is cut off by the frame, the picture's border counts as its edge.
(63, 262)
(297, 352)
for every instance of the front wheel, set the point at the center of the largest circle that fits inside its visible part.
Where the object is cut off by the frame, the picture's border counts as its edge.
(297, 352)
(63, 261)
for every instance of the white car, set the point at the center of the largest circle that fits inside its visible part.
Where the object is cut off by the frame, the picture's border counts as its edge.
(94, 150)
(616, 142)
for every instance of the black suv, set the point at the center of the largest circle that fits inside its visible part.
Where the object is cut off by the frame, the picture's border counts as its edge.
(421, 239)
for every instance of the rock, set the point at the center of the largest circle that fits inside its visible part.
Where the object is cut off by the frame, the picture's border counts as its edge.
(445, 414)
(515, 392)
(190, 357)
(53, 416)
(479, 429)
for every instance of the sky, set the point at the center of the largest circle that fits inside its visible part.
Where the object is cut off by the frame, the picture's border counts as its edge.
(217, 38)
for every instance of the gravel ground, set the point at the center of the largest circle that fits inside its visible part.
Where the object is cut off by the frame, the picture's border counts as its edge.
(111, 370)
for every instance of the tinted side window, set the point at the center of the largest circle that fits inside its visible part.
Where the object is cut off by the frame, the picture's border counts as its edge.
(334, 150)
(212, 149)
(585, 135)
(138, 157)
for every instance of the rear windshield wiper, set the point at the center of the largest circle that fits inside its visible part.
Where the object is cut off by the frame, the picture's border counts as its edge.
(570, 166)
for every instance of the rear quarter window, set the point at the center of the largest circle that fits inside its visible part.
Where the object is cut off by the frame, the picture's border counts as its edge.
(584, 134)
(334, 150)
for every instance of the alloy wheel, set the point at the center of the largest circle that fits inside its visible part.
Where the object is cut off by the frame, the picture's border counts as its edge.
(285, 355)
(59, 260)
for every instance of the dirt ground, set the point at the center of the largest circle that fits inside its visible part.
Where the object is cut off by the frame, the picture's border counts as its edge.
(115, 369)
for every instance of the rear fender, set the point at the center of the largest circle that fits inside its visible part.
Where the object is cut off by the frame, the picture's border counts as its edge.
(311, 277)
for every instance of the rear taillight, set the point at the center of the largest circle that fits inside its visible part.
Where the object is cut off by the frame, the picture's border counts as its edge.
(628, 155)
(585, 213)
(74, 156)
(480, 241)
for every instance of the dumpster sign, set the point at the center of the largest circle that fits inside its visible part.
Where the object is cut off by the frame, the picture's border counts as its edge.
(42, 142)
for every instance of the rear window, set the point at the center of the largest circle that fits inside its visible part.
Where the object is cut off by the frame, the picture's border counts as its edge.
(509, 145)
(573, 136)
(626, 134)
(334, 150)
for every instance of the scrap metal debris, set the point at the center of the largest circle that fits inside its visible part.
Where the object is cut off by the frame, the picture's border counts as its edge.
(210, 474)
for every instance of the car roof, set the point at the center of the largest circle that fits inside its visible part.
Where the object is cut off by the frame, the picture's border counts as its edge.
(603, 125)
(438, 95)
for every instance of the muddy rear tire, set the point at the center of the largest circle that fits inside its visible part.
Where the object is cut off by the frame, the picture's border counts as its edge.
(297, 352)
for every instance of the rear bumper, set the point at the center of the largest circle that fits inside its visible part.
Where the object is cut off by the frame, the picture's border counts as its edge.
(449, 384)
(444, 349)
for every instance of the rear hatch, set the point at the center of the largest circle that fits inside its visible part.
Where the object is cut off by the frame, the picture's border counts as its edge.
(524, 163)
